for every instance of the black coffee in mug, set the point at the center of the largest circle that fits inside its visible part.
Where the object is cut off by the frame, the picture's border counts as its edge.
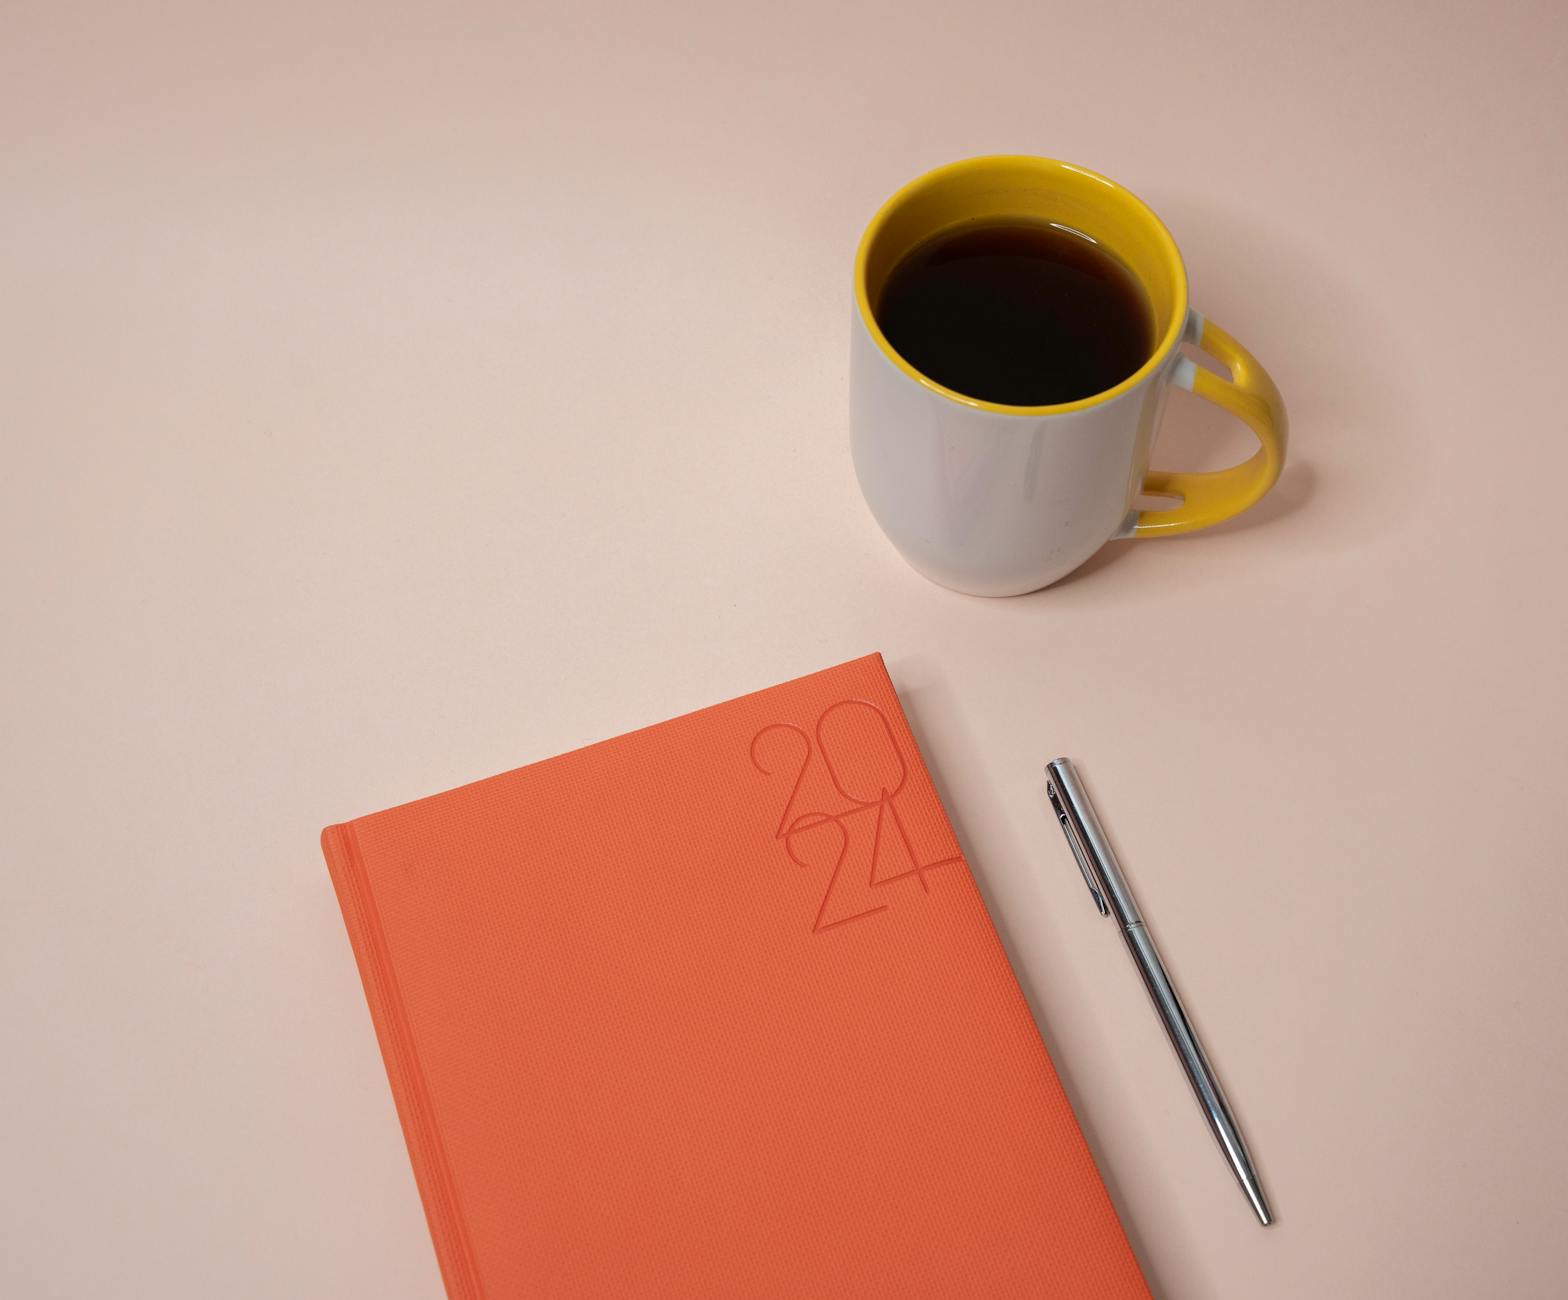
(1023, 314)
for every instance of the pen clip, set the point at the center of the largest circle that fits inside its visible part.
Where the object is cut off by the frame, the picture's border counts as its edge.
(1075, 843)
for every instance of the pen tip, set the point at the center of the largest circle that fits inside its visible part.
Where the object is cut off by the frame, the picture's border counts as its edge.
(1260, 1206)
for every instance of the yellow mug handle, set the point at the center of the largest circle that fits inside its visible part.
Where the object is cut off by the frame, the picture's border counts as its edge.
(1249, 394)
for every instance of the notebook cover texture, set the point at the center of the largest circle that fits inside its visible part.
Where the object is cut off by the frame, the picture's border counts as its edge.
(714, 1009)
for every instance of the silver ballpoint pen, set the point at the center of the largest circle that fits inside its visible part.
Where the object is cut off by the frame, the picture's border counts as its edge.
(1103, 874)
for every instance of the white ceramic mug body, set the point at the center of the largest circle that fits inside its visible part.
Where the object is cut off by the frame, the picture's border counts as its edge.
(994, 503)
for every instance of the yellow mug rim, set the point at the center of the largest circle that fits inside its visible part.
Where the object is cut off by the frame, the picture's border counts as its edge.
(1157, 356)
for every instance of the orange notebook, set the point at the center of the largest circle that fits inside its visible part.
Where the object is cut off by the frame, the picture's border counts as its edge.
(714, 1009)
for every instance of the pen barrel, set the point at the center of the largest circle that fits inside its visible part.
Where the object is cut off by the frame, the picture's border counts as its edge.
(1174, 1017)
(1195, 1062)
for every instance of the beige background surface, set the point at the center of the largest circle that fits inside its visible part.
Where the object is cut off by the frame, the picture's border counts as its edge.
(392, 396)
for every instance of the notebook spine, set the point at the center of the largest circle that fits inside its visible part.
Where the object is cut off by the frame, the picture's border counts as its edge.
(397, 1051)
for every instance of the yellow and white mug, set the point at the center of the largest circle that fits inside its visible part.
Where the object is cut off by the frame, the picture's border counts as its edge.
(998, 500)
